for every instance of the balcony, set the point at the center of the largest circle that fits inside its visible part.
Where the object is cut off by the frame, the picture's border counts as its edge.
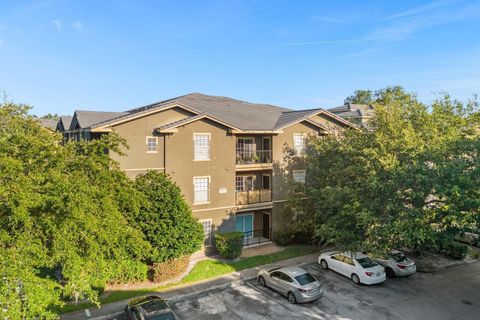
(253, 196)
(251, 159)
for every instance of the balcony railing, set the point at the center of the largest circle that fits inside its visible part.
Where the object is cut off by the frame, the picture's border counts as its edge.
(253, 196)
(253, 157)
(257, 236)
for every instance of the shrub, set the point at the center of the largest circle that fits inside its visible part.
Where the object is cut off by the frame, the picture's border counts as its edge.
(283, 237)
(229, 244)
(168, 270)
(129, 270)
(455, 250)
(166, 219)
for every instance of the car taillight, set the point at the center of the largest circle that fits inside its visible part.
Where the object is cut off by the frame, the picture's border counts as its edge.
(401, 266)
(369, 273)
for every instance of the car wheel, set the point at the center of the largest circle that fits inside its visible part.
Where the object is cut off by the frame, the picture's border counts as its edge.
(261, 281)
(390, 273)
(355, 279)
(324, 264)
(291, 298)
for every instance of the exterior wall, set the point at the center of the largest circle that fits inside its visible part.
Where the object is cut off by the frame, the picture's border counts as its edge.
(282, 169)
(135, 132)
(182, 167)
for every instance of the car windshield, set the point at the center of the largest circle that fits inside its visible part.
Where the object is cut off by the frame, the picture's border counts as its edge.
(163, 316)
(305, 278)
(399, 257)
(366, 262)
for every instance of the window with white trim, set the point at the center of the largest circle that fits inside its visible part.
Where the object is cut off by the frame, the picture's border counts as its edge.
(152, 144)
(244, 183)
(201, 188)
(207, 231)
(299, 143)
(201, 143)
(299, 176)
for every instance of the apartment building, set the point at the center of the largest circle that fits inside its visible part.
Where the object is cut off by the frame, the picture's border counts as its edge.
(226, 155)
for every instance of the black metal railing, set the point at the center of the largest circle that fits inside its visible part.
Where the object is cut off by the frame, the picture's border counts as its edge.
(257, 236)
(253, 196)
(253, 156)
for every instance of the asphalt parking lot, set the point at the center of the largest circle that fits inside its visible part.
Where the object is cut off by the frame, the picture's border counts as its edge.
(450, 294)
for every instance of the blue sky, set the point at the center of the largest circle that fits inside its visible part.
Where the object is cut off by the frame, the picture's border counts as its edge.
(59, 56)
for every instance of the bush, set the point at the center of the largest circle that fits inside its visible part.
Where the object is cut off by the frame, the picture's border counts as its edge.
(283, 238)
(454, 249)
(127, 270)
(229, 244)
(165, 219)
(168, 270)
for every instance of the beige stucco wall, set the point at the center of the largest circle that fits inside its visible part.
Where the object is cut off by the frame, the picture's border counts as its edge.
(135, 132)
(182, 167)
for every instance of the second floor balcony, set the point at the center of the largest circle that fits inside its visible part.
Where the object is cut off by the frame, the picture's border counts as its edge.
(245, 157)
(253, 196)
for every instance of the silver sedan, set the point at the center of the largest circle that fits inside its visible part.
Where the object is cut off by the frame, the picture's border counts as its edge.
(293, 282)
(397, 264)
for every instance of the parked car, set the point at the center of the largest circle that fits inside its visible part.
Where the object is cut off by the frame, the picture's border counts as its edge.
(359, 267)
(148, 308)
(397, 264)
(293, 282)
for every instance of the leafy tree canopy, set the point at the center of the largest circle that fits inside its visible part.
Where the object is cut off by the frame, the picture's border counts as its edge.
(412, 180)
(61, 208)
(360, 97)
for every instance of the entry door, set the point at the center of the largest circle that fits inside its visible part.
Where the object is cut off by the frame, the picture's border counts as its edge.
(266, 226)
(244, 223)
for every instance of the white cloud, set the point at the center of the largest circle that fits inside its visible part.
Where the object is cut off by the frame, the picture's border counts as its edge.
(58, 24)
(421, 9)
(78, 27)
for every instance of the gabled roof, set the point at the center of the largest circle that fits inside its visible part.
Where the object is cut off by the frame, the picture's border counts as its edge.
(64, 123)
(173, 125)
(85, 119)
(236, 114)
(353, 110)
(50, 124)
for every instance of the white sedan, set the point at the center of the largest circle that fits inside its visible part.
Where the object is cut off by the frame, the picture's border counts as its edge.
(359, 267)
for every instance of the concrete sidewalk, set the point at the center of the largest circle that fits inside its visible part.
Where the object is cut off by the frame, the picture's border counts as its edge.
(186, 291)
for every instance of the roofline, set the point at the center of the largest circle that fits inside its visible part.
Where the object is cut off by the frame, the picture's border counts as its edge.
(203, 116)
(338, 118)
(142, 114)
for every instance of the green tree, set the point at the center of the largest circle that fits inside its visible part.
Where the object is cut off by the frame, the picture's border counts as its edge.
(166, 219)
(410, 181)
(360, 97)
(61, 208)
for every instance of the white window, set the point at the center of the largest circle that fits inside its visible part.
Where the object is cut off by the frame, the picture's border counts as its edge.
(152, 144)
(201, 187)
(299, 143)
(201, 143)
(207, 231)
(299, 176)
(244, 183)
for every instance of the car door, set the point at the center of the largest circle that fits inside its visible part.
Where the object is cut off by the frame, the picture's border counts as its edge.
(335, 262)
(274, 281)
(133, 314)
(348, 266)
(285, 284)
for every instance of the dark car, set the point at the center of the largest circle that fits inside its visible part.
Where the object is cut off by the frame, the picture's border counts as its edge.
(148, 308)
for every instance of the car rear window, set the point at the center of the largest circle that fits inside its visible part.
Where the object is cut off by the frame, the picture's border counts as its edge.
(399, 257)
(366, 262)
(305, 278)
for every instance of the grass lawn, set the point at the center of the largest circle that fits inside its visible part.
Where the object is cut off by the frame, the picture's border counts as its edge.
(203, 270)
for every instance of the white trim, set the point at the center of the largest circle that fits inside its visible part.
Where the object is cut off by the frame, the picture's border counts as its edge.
(304, 175)
(156, 144)
(209, 145)
(211, 227)
(208, 196)
(217, 208)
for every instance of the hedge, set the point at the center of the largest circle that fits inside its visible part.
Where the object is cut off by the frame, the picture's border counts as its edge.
(455, 250)
(168, 270)
(229, 244)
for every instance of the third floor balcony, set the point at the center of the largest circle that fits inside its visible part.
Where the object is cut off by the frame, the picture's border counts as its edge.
(253, 152)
